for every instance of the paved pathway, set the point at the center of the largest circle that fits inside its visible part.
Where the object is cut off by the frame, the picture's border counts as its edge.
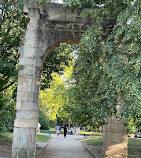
(70, 147)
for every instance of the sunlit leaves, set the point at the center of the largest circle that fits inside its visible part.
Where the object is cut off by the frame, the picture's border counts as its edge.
(125, 42)
(55, 98)
(99, 83)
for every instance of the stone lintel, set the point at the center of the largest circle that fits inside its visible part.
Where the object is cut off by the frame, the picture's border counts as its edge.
(25, 123)
(26, 114)
(55, 12)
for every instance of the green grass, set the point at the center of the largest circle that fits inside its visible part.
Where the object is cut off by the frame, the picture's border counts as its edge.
(97, 141)
(90, 133)
(134, 142)
(94, 141)
(134, 147)
(8, 136)
(42, 138)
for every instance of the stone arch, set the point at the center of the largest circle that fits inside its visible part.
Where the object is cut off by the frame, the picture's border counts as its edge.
(67, 41)
(50, 25)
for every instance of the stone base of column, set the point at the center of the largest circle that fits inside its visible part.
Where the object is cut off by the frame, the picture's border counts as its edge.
(24, 143)
(114, 140)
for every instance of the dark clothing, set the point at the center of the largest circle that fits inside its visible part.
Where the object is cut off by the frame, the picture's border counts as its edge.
(65, 131)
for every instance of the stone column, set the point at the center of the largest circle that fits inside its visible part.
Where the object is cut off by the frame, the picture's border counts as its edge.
(24, 139)
(114, 139)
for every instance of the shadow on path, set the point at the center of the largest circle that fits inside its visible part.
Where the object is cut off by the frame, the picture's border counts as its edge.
(70, 147)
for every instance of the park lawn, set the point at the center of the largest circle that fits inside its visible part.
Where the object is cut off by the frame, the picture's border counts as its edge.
(94, 141)
(90, 133)
(134, 142)
(97, 141)
(8, 136)
(134, 145)
(42, 138)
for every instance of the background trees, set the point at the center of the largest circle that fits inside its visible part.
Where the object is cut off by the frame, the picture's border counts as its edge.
(13, 23)
(107, 70)
(12, 26)
(108, 67)
(54, 98)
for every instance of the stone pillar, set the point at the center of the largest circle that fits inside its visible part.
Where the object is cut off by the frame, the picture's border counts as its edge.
(24, 139)
(114, 139)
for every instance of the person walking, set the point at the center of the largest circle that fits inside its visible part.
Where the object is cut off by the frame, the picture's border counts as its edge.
(39, 126)
(65, 131)
(58, 130)
(71, 130)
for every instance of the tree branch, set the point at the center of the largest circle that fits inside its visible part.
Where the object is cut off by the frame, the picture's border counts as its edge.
(7, 86)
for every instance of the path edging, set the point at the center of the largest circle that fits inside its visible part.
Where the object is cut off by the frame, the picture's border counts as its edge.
(88, 149)
(39, 152)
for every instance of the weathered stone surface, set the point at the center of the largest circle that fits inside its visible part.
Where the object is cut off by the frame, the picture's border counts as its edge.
(30, 106)
(27, 96)
(114, 139)
(25, 123)
(23, 144)
(18, 105)
(19, 96)
(27, 61)
(31, 51)
(118, 150)
(28, 87)
(34, 14)
(26, 115)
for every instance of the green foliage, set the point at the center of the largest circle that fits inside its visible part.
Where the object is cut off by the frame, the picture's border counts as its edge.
(12, 26)
(55, 62)
(13, 23)
(107, 71)
(43, 119)
(54, 99)
(131, 127)
(85, 96)
(123, 62)
(101, 8)
(7, 111)
(41, 1)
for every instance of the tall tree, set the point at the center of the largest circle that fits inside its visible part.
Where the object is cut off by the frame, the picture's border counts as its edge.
(12, 26)
(108, 68)
(13, 23)
(54, 99)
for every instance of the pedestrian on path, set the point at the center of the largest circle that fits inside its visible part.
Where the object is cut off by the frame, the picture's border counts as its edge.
(39, 126)
(58, 130)
(71, 129)
(65, 131)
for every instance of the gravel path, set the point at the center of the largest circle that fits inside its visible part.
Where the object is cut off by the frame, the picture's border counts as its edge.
(70, 147)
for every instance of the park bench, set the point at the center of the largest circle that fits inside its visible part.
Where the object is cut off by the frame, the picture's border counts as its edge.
(50, 132)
